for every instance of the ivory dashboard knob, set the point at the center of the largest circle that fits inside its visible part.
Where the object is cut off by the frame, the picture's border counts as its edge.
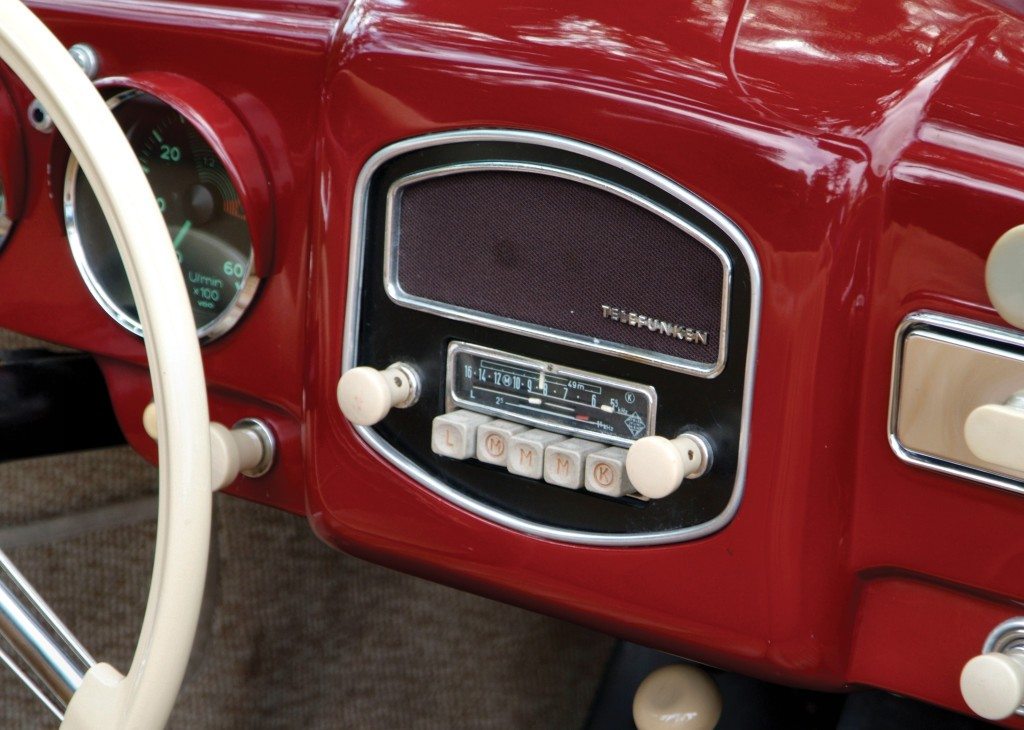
(246, 448)
(149, 422)
(993, 684)
(677, 696)
(995, 433)
(367, 395)
(1003, 273)
(657, 466)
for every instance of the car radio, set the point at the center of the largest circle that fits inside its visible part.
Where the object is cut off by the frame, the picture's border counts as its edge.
(549, 396)
(509, 348)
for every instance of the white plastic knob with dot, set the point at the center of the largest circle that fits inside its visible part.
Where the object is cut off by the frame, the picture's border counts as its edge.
(1004, 272)
(367, 395)
(993, 684)
(657, 466)
(677, 697)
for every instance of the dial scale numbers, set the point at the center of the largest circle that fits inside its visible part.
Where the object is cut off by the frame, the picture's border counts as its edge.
(555, 398)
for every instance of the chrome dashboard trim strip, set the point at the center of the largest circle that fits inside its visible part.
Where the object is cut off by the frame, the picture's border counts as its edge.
(412, 470)
(950, 325)
(651, 357)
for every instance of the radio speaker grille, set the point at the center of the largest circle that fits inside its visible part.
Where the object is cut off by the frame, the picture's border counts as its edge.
(557, 254)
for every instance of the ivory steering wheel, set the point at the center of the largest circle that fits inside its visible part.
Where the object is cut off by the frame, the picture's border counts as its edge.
(96, 695)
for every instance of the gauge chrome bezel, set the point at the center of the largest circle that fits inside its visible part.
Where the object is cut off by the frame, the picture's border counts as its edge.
(12, 165)
(5, 220)
(219, 326)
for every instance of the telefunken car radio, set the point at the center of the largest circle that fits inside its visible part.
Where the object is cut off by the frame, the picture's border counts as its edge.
(511, 346)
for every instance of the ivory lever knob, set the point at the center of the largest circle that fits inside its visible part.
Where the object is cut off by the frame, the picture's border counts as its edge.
(677, 697)
(367, 395)
(993, 685)
(657, 466)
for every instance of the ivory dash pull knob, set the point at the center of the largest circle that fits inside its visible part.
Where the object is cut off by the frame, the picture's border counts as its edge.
(993, 684)
(679, 696)
(367, 395)
(657, 466)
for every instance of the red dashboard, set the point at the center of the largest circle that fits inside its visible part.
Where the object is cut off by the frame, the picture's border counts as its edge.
(870, 154)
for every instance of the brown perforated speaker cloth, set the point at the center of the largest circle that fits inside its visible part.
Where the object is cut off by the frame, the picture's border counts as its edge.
(558, 253)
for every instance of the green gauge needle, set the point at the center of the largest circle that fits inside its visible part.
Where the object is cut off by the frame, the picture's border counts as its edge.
(182, 232)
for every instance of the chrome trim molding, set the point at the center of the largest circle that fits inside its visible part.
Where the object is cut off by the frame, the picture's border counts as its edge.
(1006, 636)
(412, 470)
(951, 326)
(265, 435)
(399, 296)
(452, 401)
(208, 332)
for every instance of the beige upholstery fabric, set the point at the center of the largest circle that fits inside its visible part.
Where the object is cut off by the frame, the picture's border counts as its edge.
(296, 635)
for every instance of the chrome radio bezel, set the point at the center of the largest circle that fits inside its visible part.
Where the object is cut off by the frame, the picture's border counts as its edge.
(741, 364)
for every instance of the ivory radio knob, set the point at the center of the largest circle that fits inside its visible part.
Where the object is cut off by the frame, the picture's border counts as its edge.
(657, 466)
(367, 395)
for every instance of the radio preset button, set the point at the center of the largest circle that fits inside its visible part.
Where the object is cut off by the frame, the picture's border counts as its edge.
(564, 462)
(454, 434)
(526, 452)
(571, 463)
(492, 441)
(606, 473)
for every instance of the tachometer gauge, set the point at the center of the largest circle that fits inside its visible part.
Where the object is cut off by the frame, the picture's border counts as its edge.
(200, 203)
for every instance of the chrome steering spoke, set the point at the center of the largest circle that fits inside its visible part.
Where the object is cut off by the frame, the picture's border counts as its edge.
(52, 661)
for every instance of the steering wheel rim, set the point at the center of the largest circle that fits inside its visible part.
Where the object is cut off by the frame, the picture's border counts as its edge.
(145, 696)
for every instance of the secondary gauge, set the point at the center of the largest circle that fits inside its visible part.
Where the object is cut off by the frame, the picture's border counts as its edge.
(12, 165)
(200, 203)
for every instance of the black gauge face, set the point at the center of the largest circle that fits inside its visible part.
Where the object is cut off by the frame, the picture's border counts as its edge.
(200, 204)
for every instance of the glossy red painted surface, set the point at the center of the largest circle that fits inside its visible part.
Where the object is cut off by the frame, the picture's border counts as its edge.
(871, 155)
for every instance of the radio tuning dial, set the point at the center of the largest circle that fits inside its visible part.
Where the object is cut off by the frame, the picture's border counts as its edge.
(657, 466)
(367, 395)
